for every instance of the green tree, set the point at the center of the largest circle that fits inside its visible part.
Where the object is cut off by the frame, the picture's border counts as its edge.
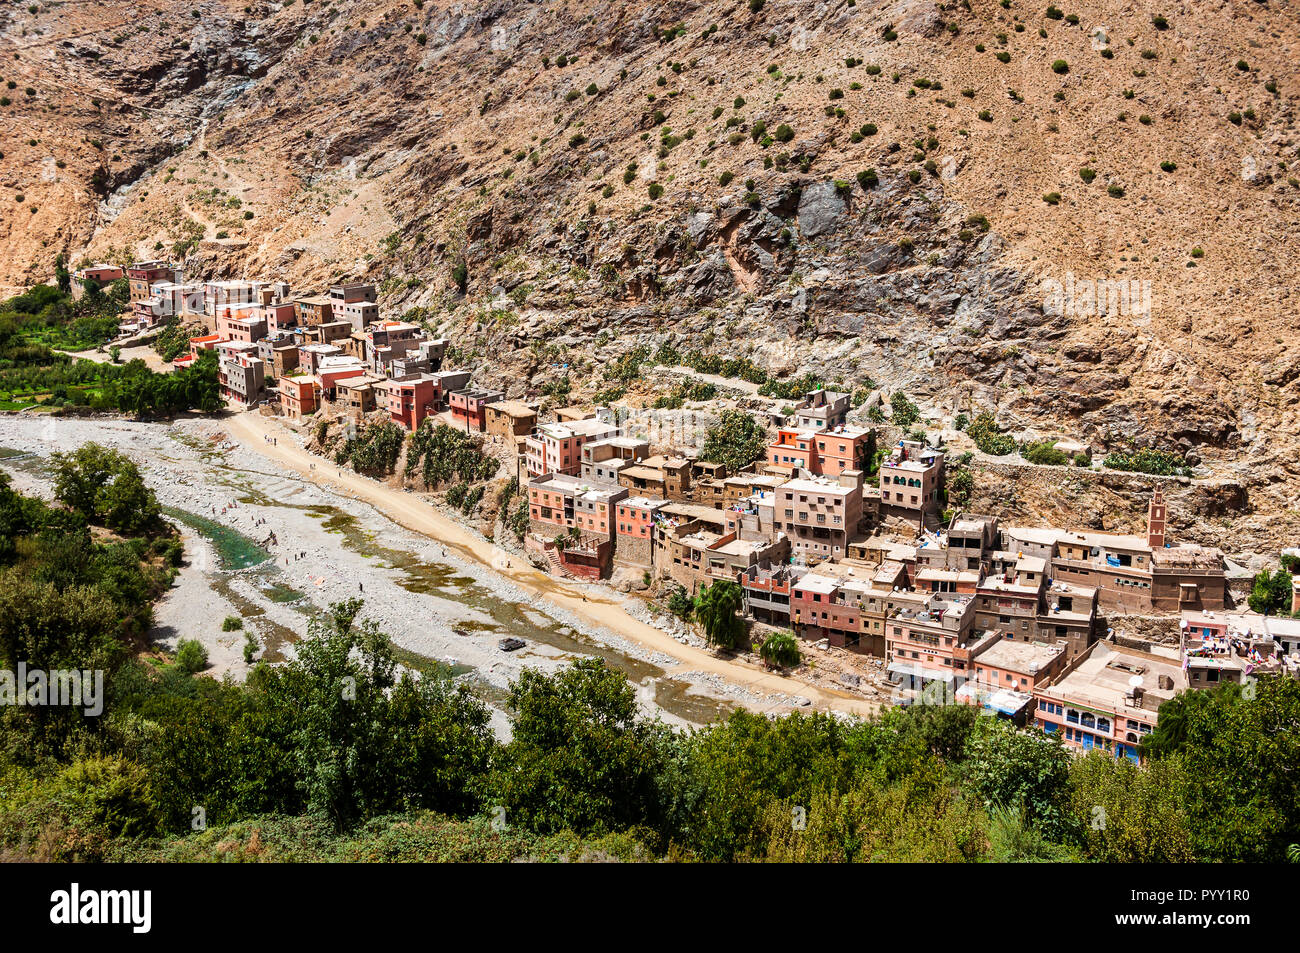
(105, 487)
(579, 757)
(903, 412)
(62, 275)
(1131, 815)
(680, 604)
(736, 441)
(191, 656)
(988, 436)
(780, 650)
(1271, 592)
(717, 607)
(900, 822)
(1020, 769)
(1239, 748)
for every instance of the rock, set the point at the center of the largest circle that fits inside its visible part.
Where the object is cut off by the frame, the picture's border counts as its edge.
(820, 206)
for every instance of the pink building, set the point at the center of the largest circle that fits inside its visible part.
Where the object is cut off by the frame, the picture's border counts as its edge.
(634, 522)
(469, 407)
(143, 274)
(100, 274)
(559, 501)
(828, 452)
(208, 342)
(298, 396)
(411, 400)
(279, 316)
(557, 448)
(242, 324)
(925, 643)
(820, 515)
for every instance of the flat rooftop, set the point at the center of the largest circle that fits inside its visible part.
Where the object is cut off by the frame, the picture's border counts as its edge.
(512, 408)
(1106, 677)
(1028, 658)
(828, 487)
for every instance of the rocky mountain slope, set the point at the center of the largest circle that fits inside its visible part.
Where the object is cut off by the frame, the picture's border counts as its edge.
(878, 189)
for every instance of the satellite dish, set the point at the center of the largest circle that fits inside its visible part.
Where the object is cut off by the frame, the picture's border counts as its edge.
(1135, 681)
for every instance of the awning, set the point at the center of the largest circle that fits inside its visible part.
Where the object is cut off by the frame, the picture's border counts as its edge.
(916, 670)
(1004, 700)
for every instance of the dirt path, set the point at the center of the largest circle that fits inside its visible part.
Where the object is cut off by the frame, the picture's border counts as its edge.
(410, 511)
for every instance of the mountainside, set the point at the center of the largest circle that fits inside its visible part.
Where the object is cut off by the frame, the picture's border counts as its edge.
(612, 174)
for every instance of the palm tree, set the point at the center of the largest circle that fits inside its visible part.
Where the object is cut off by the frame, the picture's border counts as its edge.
(716, 609)
(780, 650)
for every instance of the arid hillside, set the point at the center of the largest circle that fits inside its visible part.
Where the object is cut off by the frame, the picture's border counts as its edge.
(882, 189)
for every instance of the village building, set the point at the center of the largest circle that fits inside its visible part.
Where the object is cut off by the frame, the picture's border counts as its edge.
(411, 399)
(241, 376)
(910, 480)
(766, 591)
(925, 644)
(820, 515)
(1109, 697)
(966, 544)
(557, 448)
(445, 382)
(753, 517)
(828, 603)
(279, 315)
(142, 274)
(634, 531)
(821, 410)
(100, 275)
(354, 304)
(1143, 573)
(469, 407)
(572, 523)
(333, 369)
(510, 419)
(697, 555)
(1002, 674)
(298, 395)
(603, 459)
(668, 477)
(244, 325)
(206, 342)
(314, 310)
(821, 452)
(359, 395)
(311, 355)
(566, 415)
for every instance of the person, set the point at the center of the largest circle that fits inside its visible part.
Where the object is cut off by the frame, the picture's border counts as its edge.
(361, 586)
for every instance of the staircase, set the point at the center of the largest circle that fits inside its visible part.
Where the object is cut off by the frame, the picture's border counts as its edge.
(557, 565)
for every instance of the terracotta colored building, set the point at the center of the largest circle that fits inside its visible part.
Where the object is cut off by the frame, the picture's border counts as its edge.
(557, 448)
(410, 400)
(469, 407)
(298, 396)
(828, 452)
(1109, 698)
(143, 274)
(634, 531)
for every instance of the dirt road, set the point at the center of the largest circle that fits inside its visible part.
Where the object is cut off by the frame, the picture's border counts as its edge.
(251, 429)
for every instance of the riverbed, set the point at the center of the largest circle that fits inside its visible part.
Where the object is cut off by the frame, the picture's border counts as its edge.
(272, 548)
